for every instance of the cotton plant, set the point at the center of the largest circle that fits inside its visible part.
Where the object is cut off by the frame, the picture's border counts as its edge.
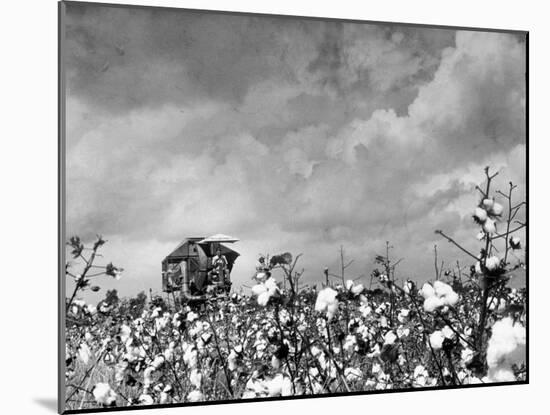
(331, 337)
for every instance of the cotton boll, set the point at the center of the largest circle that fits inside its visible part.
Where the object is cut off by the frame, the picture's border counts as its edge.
(478, 268)
(442, 289)
(467, 355)
(349, 284)
(497, 209)
(492, 263)
(408, 286)
(448, 333)
(145, 399)
(357, 289)
(84, 353)
(286, 387)
(326, 301)
(263, 298)
(103, 394)
(390, 337)
(191, 316)
(489, 226)
(275, 362)
(480, 214)
(195, 377)
(259, 289)
(436, 340)
(501, 374)
(432, 303)
(332, 308)
(157, 362)
(505, 348)
(515, 242)
(195, 396)
(275, 385)
(427, 291)
(488, 203)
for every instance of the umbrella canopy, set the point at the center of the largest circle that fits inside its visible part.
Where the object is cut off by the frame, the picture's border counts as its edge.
(219, 237)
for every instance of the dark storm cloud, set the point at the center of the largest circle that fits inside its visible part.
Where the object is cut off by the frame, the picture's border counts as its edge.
(292, 135)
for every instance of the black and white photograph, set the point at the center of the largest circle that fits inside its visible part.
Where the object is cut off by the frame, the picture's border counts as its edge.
(259, 207)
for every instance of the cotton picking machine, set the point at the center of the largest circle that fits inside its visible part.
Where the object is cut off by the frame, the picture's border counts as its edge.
(199, 268)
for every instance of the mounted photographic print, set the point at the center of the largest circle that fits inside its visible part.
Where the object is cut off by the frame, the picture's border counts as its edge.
(261, 207)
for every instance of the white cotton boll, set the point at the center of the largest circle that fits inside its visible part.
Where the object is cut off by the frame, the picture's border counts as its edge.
(478, 268)
(480, 214)
(467, 355)
(165, 398)
(325, 297)
(248, 395)
(401, 332)
(195, 377)
(489, 226)
(259, 289)
(275, 385)
(492, 263)
(507, 344)
(332, 308)
(357, 289)
(497, 209)
(451, 299)
(326, 301)
(263, 298)
(84, 353)
(275, 362)
(488, 203)
(195, 396)
(157, 362)
(191, 316)
(286, 387)
(402, 316)
(448, 333)
(145, 399)
(147, 373)
(480, 235)
(445, 293)
(501, 374)
(125, 333)
(103, 394)
(432, 303)
(156, 312)
(442, 289)
(436, 340)
(350, 343)
(190, 357)
(390, 337)
(365, 310)
(420, 371)
(232, 360)
(515, 242)
(349, 284)
(427, 291)
(271, 285)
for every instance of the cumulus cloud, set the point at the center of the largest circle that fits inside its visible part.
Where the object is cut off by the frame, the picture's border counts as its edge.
(292, 135)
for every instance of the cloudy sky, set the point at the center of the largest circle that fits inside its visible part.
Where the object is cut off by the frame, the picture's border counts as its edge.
(290, 134)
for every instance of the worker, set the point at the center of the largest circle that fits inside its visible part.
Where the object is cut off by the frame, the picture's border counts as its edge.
(219, 265)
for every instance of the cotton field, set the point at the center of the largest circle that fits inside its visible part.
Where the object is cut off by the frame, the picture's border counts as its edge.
(464, 325)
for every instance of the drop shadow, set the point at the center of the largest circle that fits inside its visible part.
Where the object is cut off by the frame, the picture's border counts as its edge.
(48, 403)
